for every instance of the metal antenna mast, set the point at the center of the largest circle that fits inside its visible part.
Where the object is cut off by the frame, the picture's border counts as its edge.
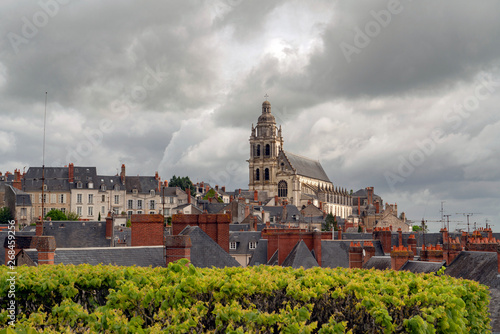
(43, 159)
(468, 214)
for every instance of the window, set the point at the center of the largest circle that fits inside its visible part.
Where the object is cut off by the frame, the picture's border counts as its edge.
(252, 245)
(152, 204)
(232, 245)
(171, 200)
(44, 187)
(258, 150)
(79, 198)
(44, 199)
(134, 191)
(62, 198)
(117, 187)
(103, 210)
(116, 211)
(91, 185)
(44, 212)
(79, 185)
(103, 187)
(139, 212)
(79, 210)
(117, 199)
(139, 204)
(103, 198)
(266, 174)
(129, 214)
(130, 204)
(167, 212)
(257, 174)
(63, 210)
(91, 198)
(151, 212)
(23, 213)
(152, 192)
(91, 210)
(282, 189)
(268, 150)
(53, 198)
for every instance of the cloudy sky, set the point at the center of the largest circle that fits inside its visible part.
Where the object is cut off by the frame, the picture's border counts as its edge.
(402, 96)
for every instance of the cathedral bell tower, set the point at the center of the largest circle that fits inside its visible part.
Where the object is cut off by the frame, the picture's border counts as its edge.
(265, 144)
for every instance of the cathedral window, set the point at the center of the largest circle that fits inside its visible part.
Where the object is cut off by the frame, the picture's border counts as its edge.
(257, 174)
(258, 150)
(268, 150)
(282, 189)
(266, 174)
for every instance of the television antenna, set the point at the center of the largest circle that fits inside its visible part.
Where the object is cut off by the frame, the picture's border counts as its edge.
(468, 214)
(43, 159)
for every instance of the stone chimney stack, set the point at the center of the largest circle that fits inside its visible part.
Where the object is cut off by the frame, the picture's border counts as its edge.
(369, 194)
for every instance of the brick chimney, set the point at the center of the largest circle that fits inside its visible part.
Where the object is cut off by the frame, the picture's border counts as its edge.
(17, 180)
(431, 253)
(223, 188)
(369, 249)
(384, 235)
(359, 207)
(317, 246)
(255, 195)
(188, 192)
(147, 230)
(355, 255)
(451, 249)
(156, 176)
(165, 183)
(177, 247)
(45, 246)
(339, 234)
(39, 226)
(71, 172)
(377, 207)
(122, 174)
(400, 237)
(399, 256)
(412, 244)
(109, 226)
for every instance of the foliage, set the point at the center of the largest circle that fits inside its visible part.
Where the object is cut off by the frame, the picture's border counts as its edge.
(416, 228)
(5, 215)
(129, 223)
(183, 299)
(169, 221)
(55, 214)
(72, 216)
(183, 183)
(212, 194)
(330, 222)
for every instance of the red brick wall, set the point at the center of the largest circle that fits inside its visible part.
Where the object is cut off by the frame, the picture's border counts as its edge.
(384, 235)
(355, 255)
(399, 256)
(216, 226)
(147, 230)
(45, 245)
(177, 247)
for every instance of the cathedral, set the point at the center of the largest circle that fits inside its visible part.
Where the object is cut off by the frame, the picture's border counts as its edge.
(293, 178)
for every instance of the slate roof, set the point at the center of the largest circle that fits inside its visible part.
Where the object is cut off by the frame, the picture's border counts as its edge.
(56, 179)
(260, 254)
(306, 167)
(143, 256)
(242, 240)
(477, 266)
(211, 207)
(300, 256)
(205, 252)
(422, 266)
(378, 262)
(143, 184)
(110, 182)
(335, 253)
(77, 234)
(182, 206)
(3, 237)
(85, 175)
(362, 193)
(273, 261)
(277, 212)
(22, 198)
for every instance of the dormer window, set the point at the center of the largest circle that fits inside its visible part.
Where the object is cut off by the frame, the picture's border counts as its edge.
(252, 245)
(232, 245)
(91, 185)
(103, 187)
(152, 192)
(134, 191)
(79, 185)
(44, 187)
(117, 187)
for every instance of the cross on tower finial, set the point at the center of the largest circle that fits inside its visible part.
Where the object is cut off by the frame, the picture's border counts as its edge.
(266, 96)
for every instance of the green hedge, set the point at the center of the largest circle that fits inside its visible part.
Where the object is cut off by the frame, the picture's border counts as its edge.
(183, 299)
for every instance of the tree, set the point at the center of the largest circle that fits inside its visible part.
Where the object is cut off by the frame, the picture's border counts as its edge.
(330, 222)
(211, 194)
(5, 215)
(55, 214)
(72, 216)
(183, 183)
